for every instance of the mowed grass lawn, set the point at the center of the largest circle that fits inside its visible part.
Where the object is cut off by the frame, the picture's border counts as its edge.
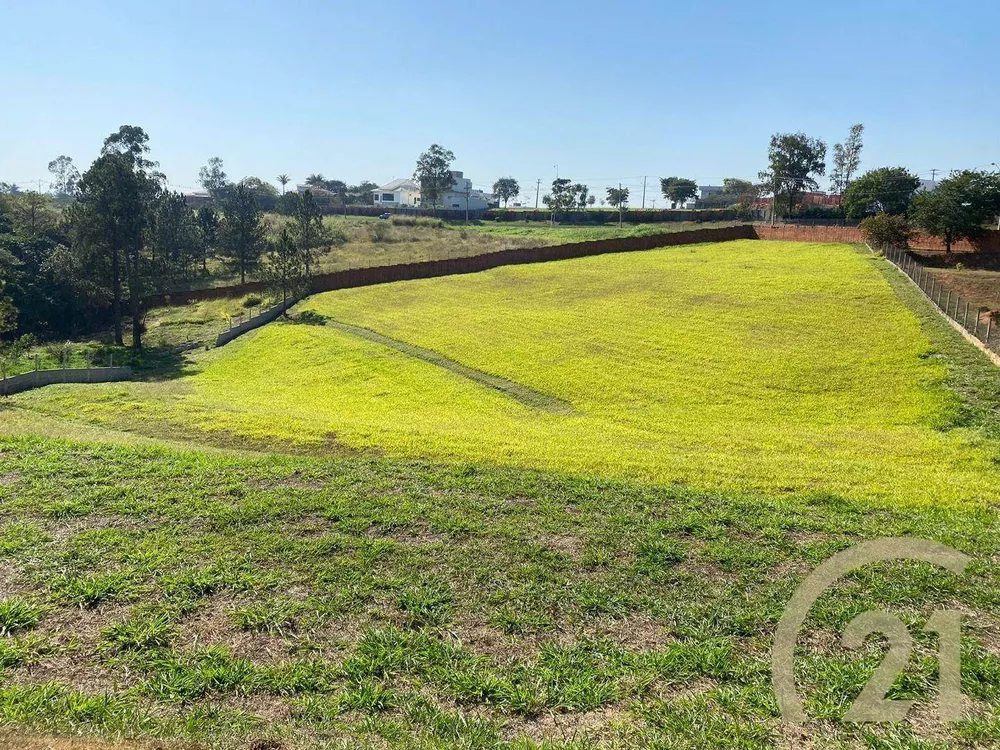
(771, 367)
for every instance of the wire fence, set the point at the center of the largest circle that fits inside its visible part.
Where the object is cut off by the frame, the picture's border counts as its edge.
(976, 319)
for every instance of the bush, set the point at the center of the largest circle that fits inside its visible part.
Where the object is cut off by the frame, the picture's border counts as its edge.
(883, 229)
(252, 301)
(381, 232)
(417, 221)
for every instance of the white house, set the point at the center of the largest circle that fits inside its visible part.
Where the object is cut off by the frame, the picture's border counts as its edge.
(462, 192)
(398, 194)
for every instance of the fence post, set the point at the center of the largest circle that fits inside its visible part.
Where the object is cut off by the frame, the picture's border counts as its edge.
(989, 327)
(975, 332)
(38, 362)
(965, 318)
(947, 304)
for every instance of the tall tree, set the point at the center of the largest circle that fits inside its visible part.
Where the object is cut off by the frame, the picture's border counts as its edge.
(741, 193)
(564, 196)
(959, 207)
(846, 159)
(677, 190)
(618, 198)
(214, 180)
(283, 268)
(65, 177)
(581, 195)
(241, 232)
(316, 180)
(506, 188)
(208, 223)
(110, 220)
(433, 174)
(308, 230)
(795, 160)
(115, 200)
(887, 190)
(177, 241)
(283, 179)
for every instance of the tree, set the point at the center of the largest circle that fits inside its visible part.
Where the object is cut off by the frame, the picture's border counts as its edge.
(618, 198)
(433, 174)
(884, 230)
(284, 270)
(307, 227)
(213, 179)
(564, 196)
(506, 188)
(795, 161)
(283, 179)
(959, 207)
(581, 195)
(177, 241)
(678, 189)
(316, 180)
(846, 159)
(887, 190)
(591, 200)
(741, 193)
(208, 222)
(241, 232)
(265, 193)
(111, 218)
(65, 177)
(114, 217)
(361, 194)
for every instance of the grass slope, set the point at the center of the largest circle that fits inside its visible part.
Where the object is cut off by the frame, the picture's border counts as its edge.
(771, 367)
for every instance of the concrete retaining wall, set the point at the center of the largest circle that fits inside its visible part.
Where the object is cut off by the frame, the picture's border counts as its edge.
(37, 379)
(265, 317)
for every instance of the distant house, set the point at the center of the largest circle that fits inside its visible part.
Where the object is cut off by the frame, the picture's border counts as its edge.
(397, 194)
(198, 199)
(322, 196)
(462, 196)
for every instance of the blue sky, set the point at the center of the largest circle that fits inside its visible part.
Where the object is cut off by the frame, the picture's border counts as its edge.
(608, 91)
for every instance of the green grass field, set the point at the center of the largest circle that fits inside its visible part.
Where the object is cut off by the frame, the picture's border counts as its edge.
(548, 506)
(745, 366)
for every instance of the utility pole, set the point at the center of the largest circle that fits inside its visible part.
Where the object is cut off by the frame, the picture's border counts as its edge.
(538, 187)
(643, 192)
(933, 175)
(774, 200)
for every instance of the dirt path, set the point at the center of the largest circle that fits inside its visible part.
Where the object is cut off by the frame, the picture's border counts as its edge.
(517, 391)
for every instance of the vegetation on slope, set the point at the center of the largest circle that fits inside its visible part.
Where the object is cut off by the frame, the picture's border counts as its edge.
(770, 367)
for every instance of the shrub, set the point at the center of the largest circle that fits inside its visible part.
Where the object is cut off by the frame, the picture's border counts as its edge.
(311, 318)
(883, 229)
(417, 221)
(381, 232)
(252, 301)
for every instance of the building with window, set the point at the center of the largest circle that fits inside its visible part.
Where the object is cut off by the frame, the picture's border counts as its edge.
(403, 193)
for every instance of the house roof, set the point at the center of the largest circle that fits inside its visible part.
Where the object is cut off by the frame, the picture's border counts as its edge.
(401, 184)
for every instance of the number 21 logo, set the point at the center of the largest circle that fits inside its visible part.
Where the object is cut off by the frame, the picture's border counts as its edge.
(871, 704)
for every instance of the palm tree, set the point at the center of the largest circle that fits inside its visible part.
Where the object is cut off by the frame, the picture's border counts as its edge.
(284, 180)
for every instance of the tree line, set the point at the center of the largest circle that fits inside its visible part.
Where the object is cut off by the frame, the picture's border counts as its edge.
(121, 235)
